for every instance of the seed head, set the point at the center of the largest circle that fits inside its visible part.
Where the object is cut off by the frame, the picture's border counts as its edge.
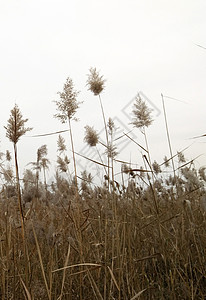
(181, 157)
(61, 144)
(8, 155)
(166, 162)
(95, 82)
(91, 136)
(67, 105)
(156, 167)
(62, 164)
(15, 126)
(111, 151)
(142, 113)
(111, 127)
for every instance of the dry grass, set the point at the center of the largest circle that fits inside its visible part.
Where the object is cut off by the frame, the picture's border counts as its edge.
(141, 238)
(141, 255)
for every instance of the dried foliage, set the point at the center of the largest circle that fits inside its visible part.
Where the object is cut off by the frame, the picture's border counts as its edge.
(115, 242)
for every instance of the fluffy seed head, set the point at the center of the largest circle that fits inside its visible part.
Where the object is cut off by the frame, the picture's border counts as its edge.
(91, 136)
(67, 105)
(15, 126)
(95, 82)
(141, 114)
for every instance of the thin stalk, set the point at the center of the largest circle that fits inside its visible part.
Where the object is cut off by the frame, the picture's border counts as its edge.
(37, 181)
(19, 191)
(77, 221)
(27, 265)
(72, 144)
(105, 241)
(149, 162)
(101, 160)
(45, 183)
(147, 146)
(168, 138)
(106, 132)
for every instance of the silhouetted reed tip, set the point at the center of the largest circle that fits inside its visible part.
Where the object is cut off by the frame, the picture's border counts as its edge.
(95, 82)
(141, 113)
(91, 136)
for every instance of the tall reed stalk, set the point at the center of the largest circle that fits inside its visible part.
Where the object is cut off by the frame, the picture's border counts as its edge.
(169, 140)
(67, 107)
(96, 86)
(14, 130)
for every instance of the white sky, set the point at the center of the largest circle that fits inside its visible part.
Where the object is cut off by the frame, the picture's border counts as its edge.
(146, 46)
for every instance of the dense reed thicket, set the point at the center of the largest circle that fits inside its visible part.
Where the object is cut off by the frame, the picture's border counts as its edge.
(139, 235)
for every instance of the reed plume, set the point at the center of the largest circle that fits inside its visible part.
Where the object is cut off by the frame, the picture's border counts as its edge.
(67, 107)
(14, 130)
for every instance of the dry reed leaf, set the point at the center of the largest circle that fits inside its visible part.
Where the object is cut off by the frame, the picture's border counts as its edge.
(26, 290)
(77, 265)
(113, 278)
(187, 163)
(64, 273)
(138, 294)
(96, 162)
(41, 263)
(148, 257)
(135, 142)
(175, 155)
(94, 286)
(51, 133)
(83, 271)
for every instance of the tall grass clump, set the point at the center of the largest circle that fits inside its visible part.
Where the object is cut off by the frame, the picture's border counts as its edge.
(111, 243)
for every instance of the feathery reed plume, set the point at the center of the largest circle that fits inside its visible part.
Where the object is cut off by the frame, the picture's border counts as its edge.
(142, 118)
(92, 139)
(61, 146)
(181, 157)
(41, 163)
(95, 82)
(62, 163)
(91, 136)
(141, 114)
(14, 130)
(96, 85)
(67, 107)
(156, 167)
(8, 155)
(166, 162)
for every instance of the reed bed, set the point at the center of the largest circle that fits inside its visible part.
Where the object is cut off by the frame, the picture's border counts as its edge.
(141, 255)
(141, 235)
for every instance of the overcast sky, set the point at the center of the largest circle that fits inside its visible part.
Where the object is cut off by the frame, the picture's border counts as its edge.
(139, 46)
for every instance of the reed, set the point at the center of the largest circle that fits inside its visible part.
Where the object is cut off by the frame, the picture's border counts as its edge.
(111, 243)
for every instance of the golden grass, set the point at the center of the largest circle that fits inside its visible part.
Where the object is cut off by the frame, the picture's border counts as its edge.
(146, 257)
